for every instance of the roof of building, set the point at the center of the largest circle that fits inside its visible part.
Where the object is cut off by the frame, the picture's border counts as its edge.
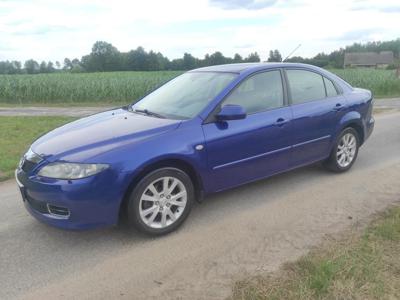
(368, 58)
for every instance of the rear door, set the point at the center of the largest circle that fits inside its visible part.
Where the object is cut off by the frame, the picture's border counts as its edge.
(257, 146)
(317, 108)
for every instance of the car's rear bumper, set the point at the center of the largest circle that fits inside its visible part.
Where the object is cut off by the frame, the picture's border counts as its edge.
(72, 204)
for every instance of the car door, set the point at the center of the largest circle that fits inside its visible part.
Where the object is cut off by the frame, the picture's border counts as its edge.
(317, 108)
(257, 146)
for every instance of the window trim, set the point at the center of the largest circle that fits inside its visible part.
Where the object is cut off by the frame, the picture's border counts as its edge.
(211, 118)
(285, 69)
(326, 91)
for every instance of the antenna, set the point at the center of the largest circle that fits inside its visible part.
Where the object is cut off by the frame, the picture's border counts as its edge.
(294, 50)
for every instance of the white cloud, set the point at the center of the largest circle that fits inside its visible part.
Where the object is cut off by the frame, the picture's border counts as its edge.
(46, 29)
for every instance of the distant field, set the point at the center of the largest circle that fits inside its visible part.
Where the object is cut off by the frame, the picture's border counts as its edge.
(64, 88)
(383, 83)
(124, 87)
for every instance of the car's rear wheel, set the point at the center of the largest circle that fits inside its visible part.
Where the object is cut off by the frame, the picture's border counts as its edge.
(161, 201)
(345, 151)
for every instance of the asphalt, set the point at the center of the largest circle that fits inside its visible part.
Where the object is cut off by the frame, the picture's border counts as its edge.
(78, 111)
(389, 103)
(249, 230)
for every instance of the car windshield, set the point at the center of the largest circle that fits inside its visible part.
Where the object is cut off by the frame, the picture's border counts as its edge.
(184, 96)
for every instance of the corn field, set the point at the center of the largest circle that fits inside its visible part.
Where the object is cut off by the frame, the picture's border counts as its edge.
(125, 87)
(65, 88)
(383, 83)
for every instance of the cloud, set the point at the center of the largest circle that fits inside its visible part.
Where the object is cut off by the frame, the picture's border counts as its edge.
(390, 9)
(243, 4)
(42, 30)
(383, 7)
(53, 30)
(357, 35)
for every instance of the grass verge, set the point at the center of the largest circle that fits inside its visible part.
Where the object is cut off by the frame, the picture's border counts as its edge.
(17, 133)
(361, 265)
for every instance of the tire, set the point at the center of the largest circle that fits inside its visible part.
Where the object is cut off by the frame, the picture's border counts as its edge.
(348, 151)
(161, 201)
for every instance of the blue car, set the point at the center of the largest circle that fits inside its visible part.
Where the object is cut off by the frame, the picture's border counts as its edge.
(205, 131)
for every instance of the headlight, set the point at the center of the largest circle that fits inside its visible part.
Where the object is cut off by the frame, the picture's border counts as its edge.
(71, 170)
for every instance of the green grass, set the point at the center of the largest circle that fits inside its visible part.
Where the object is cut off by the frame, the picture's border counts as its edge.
(67, 88)
(124, 87)
(17, 133)
(359, 266)
(383, 83)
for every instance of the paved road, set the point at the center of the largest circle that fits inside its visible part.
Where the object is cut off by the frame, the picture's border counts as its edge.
(52, 111)
(251, 229)
(393, 103)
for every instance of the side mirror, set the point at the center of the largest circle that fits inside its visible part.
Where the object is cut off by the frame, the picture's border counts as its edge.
(231, 112)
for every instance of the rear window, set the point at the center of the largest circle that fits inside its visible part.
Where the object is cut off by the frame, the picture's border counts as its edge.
(330, 88)
(305, 86)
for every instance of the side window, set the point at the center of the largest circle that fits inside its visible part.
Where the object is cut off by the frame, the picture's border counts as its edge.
(260, 92)
(305, 86)
(330, 88)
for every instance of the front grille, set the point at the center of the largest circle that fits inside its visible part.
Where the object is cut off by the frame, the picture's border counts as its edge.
(37, 205)
(45, 208)
(28, 166)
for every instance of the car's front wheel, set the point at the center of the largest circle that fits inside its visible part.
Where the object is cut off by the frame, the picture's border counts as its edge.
(345, 151)
(161, 201)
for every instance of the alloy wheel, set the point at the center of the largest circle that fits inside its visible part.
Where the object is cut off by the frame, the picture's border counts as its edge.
(346, 150)
(162, 202)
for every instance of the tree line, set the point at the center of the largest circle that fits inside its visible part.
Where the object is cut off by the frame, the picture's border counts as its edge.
(105, 57)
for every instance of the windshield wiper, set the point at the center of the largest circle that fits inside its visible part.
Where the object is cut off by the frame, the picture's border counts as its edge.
(149, 113)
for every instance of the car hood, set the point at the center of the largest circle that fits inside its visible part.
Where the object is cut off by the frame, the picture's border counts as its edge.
(98, 133)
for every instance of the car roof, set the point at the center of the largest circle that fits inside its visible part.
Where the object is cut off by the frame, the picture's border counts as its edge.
(244, 67)
(254, 67)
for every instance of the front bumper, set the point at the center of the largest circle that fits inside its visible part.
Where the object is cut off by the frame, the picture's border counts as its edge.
(369, 127)
(72, 204)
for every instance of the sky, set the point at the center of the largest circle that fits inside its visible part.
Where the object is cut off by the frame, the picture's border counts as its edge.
(55, 29)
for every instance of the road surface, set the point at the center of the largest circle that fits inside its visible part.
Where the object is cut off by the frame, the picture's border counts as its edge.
(248, 230)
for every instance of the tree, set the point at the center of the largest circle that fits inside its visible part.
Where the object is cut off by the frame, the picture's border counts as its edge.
(274, 56)
(252, 57)
(10, 67)
(163, 62)
(16, 67)
(67, 64)
(216, 59)
(189, 62)
(50, 67)
(104, 57)
(237, 58)
(136, 59)
(31, 66)
(43, 67)
(152, 62)
(176, 64)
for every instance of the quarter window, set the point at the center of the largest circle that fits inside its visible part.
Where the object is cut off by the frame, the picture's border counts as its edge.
(305, 86)
(330, 88)
(260, 92)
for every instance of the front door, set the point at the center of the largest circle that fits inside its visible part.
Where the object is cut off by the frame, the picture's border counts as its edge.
(257, 146)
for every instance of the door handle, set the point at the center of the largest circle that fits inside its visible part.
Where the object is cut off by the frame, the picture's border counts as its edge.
(280, 122)
(338, 106)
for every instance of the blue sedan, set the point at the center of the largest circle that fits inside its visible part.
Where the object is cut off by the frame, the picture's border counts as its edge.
(205, 131)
